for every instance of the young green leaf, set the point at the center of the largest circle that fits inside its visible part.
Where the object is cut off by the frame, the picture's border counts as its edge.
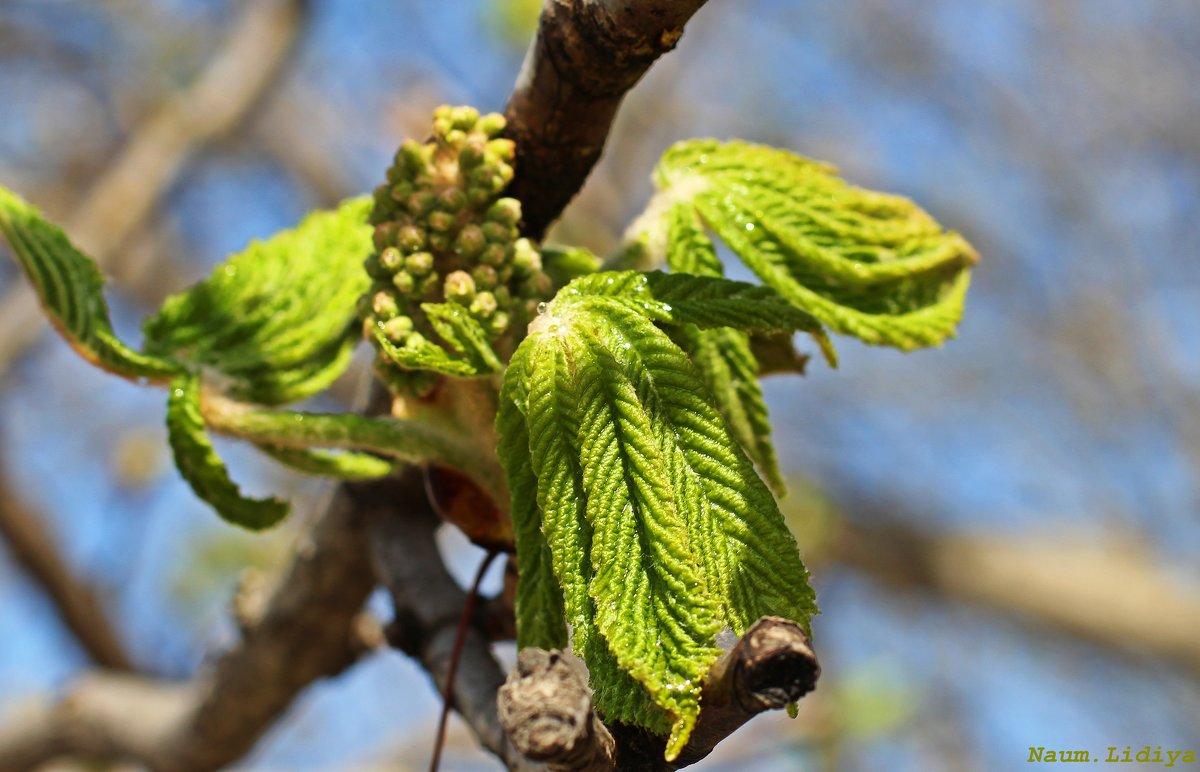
(723, 355)
(864, 263)
(562, 264)
(201, 467)
(278, 319)
(725, 361)
(421, 354)
(706, 301)
(464, 334)
(70, 288)
(539, 603)
(660, 532)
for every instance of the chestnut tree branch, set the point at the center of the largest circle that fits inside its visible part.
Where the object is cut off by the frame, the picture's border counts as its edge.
(1114, 594)
(427, 604)
(586, 56)
(311, 628)
(546, 706)
(33, 548)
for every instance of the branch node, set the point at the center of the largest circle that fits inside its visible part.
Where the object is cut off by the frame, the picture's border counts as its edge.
(545, 707)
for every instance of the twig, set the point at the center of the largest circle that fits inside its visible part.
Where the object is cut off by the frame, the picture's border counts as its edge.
(586, 56)
(427, 602)
(546, 706)
(311, 629)
(464, 624)
(33, 548)
(1113, 594)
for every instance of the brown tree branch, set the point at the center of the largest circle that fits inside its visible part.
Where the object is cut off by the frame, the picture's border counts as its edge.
(114, 209)
(586, 56)
(119, 202)
(311, 628)
(428, 603)
(103, 716)
(546, 706)
(1113, 594)
(33, 548)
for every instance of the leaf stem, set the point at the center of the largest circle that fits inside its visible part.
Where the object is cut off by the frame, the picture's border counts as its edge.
(412, 441)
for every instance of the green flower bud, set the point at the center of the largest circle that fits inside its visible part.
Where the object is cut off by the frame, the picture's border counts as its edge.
(401, 191)
(494, 255)
(397, 329)
(404, 283)
(385, 235)
(419, 263)
(498, 233)
(502, 149)
(481, 177)
(470, 241)
(491, 124)
(442, 122)
(485, 276)
(526, 259)
(498, 323)
(471, 154)
(420, 203)
(504, 175)
(440, 241)
(478, 196)
(411, 157)
(391, 260)
(459, 287)
(374, 269)
(409, 383)
(427, 285)
(415, 340)
(451, 200)
(455, 137)
(440, 222)
(384, 305)
(484, 305)
(506, 211)
(503, 296)
(410, 238)
(464, 117)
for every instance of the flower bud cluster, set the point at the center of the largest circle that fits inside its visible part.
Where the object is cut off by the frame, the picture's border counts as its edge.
(444, 234)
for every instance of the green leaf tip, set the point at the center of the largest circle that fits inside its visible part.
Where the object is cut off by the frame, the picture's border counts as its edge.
(659, 531)
(278, 319)
(339, 466)
(70, 288)
(864, 263)
(203, 469)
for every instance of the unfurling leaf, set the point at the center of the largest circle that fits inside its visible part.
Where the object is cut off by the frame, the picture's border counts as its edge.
(539, 604)
(866, 264)
(464, 334)
(278, 319)
(340, 466)
(201, 467)
(723, 355)
(660, 532)
(70, 288)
